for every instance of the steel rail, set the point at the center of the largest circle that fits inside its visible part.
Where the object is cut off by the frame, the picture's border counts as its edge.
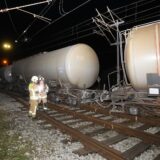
(150, 121)
(146, 137)
(89, 142)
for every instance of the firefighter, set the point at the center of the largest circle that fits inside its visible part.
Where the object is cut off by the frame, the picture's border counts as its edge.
(43, 90)
(33, 96)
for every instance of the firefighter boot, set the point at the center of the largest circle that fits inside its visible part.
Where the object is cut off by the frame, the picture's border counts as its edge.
(45, 107)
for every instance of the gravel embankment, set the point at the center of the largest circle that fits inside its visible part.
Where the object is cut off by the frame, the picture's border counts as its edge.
(46, 142)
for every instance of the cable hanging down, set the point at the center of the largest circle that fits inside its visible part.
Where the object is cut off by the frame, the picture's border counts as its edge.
(87, 23)
(36, 16)
(60, 18)
(43, 12)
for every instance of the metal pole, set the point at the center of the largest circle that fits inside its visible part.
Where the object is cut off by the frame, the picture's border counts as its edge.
(118, 64)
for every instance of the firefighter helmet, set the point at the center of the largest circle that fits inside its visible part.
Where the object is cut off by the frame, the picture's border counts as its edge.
(40, 78)
(34, 79)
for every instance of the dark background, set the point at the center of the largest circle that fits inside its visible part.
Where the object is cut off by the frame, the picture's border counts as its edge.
(70, 24)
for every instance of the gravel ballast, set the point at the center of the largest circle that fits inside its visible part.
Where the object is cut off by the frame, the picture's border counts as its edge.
(46, 143)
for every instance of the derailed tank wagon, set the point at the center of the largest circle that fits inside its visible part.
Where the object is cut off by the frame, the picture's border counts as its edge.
(73, 69)
(142, 65)
(76, 66)
(140, 62)
(142, 58)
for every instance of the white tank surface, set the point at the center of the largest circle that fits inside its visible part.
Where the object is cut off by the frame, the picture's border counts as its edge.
(77, 65)
(142, 54)
(6, 73)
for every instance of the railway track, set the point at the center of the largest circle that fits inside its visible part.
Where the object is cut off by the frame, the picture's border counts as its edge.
(84, 123)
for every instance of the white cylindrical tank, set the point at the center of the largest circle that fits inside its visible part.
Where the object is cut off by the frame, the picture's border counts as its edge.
(142, 54)
(6, 73)
(77, 65)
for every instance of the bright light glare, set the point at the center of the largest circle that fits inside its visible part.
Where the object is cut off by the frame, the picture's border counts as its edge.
(5, 61)
(7, 46)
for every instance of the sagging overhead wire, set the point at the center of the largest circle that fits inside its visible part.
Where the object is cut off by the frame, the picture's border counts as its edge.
(144, 3)
(80, 28)
(60, 18)
(88, 22)
(71, 31)
(43, 12)
(61, 9)
(36, 16)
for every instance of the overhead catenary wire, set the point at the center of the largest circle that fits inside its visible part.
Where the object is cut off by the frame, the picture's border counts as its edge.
(24, 6)
(78, 33)
(61, 17)
(116, 13)
(72, 40)
(76, 29)
(144, 18)
(72, 31)
(129, 22)
(53, 2)
(146, 10)
(134, 3)
(77, 36)
(43, 11)
(13, 25)
(36, 16)
(63, 42)
(61, 9)
(115, 9)
(140, 1)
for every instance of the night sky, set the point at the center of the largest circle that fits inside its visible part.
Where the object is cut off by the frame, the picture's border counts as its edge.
(29, 35)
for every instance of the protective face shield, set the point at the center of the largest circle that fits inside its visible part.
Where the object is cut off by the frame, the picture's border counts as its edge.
(34, 79)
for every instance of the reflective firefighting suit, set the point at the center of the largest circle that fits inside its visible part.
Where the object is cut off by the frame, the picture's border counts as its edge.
(43, 90)
(33, 96)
